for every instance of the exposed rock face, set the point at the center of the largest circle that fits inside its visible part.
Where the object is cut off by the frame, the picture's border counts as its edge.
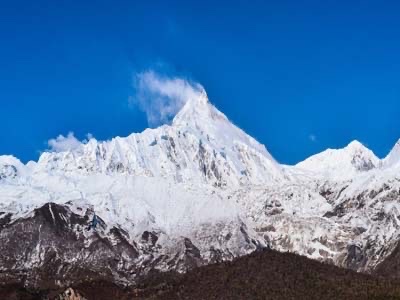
(8, 171)
(52, 248)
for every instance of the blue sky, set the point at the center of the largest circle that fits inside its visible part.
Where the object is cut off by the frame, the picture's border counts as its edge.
(300, 76)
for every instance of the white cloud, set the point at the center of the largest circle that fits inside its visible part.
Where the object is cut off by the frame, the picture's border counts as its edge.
(161, 97)
(312, 137)
(64, 143)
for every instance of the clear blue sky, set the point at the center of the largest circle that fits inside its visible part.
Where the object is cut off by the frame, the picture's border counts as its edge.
(281, 70)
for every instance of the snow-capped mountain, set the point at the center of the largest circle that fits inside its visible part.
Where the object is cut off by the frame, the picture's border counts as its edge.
(182, 195)
(355, 158)
(201, 145)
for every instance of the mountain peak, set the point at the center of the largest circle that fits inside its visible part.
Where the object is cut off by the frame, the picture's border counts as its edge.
(198, 110)
(348, 161)
(201, 98)
(355, 145)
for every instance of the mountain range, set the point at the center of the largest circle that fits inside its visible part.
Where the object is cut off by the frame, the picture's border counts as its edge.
(192, 193)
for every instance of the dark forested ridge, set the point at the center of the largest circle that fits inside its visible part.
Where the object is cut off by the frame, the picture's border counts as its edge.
(262, 275)
(273, 275)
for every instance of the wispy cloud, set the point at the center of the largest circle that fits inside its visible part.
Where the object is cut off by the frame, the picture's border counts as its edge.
(312, 138)
(67, 143)
(161, 97)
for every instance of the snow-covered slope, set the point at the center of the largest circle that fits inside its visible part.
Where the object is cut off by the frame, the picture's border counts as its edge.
(197, 191)
(393, 158)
